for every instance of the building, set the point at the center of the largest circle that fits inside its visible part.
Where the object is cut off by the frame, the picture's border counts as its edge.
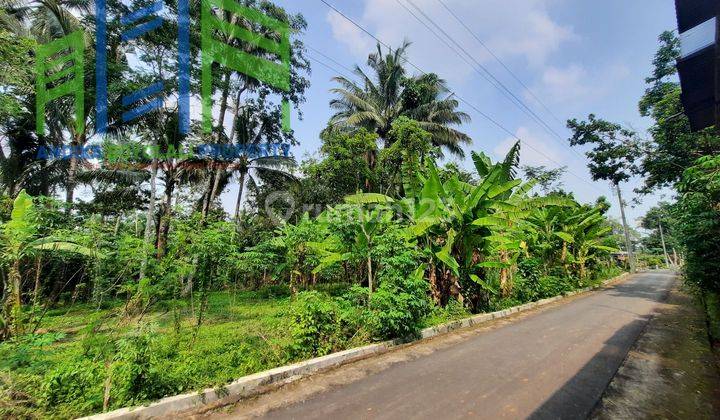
(699, 64)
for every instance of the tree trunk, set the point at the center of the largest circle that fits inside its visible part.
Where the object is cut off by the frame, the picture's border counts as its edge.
(118, 218)
(71, 181)
(78, 141)
(149, 217)
(235, 114)
(370, 275)
(38, 270)
(434, 286)
(505, 283)
(216, 183)
(241, 186)
(15, 281)
(626, 229)
(208, 192)
(166, 217)
(13, 301)
(665, 253)
(213, 184)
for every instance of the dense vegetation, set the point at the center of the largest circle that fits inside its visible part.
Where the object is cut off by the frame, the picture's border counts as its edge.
(689, 162)
(142, 286)
(675, 157)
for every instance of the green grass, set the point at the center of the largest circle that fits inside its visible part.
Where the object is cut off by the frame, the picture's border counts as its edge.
(241, 334)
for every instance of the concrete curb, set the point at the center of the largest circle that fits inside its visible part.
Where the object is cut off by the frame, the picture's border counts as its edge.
(247, 385)
(482, 318)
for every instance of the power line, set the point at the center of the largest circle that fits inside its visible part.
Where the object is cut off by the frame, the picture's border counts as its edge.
(476, 109)
(498, 84)
(325, 56)
(331, 68)
(514, 76)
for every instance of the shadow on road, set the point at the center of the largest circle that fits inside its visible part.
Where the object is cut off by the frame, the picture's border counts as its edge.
(578, 396)
(656, 291)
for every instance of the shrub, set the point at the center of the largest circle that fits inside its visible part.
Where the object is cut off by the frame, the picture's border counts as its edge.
(76, 383)
(528, 287)
(529, 290)
(399, 305)
(452, 311)
(315, 325)
(274, 291)
(18, 396)
(333, 289)
(134, 376)
(651, 261)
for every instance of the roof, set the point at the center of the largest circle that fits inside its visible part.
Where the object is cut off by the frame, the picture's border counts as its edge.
(691, 13)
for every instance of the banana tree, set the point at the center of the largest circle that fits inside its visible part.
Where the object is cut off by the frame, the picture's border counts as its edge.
(362, 238)
(20, 241)
(589, 232)
(453, 221)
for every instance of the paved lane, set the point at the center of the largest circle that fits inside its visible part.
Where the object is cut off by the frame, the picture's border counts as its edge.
(553, 364)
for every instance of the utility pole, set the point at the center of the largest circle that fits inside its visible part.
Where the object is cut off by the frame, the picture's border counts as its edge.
(662, 239)
(628, 245)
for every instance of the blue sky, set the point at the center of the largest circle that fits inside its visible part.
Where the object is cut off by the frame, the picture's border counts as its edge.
(578, 57)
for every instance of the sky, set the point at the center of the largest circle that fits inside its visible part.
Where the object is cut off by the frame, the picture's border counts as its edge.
(577, 57)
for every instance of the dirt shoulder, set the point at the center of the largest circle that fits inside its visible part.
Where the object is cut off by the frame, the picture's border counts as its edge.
(671, 372)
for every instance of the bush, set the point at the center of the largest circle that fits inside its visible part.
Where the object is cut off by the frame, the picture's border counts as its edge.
(129, 368)
(440, 315)
(77, 384)
(274, 291)
(333, 289)
(530, 290)
(134, 375)
(399, 305)
(527, 287)
(651, 261)
(320, 324)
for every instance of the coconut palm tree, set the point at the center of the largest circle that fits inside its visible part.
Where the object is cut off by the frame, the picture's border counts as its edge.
(388, 93)
(44, 21)
(253, 128)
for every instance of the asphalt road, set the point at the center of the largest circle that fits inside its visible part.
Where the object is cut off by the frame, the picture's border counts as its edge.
(552, 364)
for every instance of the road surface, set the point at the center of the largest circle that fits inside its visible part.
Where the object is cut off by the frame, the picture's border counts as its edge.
(551, 364)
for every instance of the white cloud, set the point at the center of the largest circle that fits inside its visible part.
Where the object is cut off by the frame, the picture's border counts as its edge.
(533, 150)
(347, 33)
(574, 83)
(513, 29)
(564, 84)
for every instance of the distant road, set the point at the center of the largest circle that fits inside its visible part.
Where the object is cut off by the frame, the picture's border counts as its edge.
(552, 364)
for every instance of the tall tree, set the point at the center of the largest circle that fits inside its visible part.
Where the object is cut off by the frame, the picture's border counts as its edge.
(389, 93)
(547, 179)
(614, 156)
(674, 147)
(259, 136)
(45, 21)
(242, 87)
